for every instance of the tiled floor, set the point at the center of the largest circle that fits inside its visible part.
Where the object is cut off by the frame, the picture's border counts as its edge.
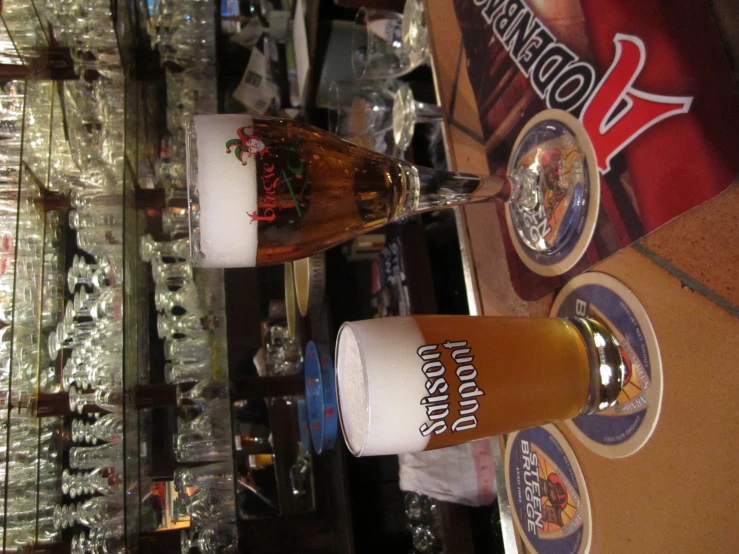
(704, 245)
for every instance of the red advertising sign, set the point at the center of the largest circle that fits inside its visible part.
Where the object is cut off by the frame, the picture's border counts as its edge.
(650, 84)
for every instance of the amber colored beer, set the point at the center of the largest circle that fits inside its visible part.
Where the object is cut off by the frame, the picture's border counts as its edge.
(424, 382)
(274, 190)
(531, 371)
(344, 191)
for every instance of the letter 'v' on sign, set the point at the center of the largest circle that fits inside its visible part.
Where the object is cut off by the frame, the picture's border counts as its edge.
(610, 130)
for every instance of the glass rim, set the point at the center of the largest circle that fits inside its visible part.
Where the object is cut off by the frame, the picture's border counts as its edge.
(193, 197)
(334, 107)
(354, 448)
(360, 28)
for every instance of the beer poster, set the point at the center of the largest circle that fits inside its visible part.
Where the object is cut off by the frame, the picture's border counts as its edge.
(651, 86)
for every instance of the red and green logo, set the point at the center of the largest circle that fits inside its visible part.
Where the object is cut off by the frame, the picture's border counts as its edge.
(251, 145)
(281, 174)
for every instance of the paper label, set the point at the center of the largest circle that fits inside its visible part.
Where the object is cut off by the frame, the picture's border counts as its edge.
(256, 91)
(249, 34)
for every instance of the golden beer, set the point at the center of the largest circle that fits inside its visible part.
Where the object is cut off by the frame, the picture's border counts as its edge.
(268, 191)
(424, 382)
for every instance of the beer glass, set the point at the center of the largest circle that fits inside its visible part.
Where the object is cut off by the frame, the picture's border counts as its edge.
(360, 109)
(386, 44)
(267, 190)
(366, 108)
(408, 384)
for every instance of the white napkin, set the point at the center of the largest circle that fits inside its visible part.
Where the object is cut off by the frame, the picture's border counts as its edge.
(463, 474)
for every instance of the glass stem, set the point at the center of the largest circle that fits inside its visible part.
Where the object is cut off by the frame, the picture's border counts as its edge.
(427, 113)
(433, 189)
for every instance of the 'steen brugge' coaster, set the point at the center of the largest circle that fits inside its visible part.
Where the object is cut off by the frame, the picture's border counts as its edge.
(547, 492)
(623, 429)
(551, 238)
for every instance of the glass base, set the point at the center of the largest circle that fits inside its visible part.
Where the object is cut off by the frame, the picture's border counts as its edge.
(554, 207)
(414, 33)
(404, 117)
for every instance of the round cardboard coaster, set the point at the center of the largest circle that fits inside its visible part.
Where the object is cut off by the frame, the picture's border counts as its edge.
(551, 240)
(547, 492)
(623, 429)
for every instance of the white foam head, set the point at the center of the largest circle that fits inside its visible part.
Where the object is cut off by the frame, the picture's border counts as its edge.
(228, 193)
(380, 384)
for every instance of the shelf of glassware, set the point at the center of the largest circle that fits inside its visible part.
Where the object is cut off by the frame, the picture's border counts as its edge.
(139, 510)
(209, 397)
(34, 154)
(31, 301)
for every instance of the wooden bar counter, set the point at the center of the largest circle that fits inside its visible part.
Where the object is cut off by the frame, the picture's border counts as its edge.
(679, 492)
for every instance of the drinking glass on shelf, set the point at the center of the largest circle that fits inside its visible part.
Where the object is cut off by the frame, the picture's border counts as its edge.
(72, 372)
(208, 506)
(408, 111)
(80, 544)
(361, 108)
(102, 217)
(75, 279)
(366, 109)
(92, 197)
(101, 480)
(83, 301)
(201, 476)
(173, 273)
(206, 393)
(108, 306)
(90, 513)
(171, 325)
(186, 297)
(108, 428)
(186, 372)
(110, 401)
(174, 220)
(204, 424)
(220, 538)
(101, 241)
(69, 335)
(70, 487)
(177, 248)
(284, 357)
(424, 540)
(386, 44)
(104, 373)
(97, 541)
(191, 348)
(192, 447)
(91, 457)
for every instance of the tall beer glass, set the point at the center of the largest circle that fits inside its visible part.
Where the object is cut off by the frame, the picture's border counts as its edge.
(267, 191)
(407, 384)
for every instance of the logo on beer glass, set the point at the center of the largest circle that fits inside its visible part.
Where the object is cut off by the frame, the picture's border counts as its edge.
(246, 144)
(282, 188)
(453, 398)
